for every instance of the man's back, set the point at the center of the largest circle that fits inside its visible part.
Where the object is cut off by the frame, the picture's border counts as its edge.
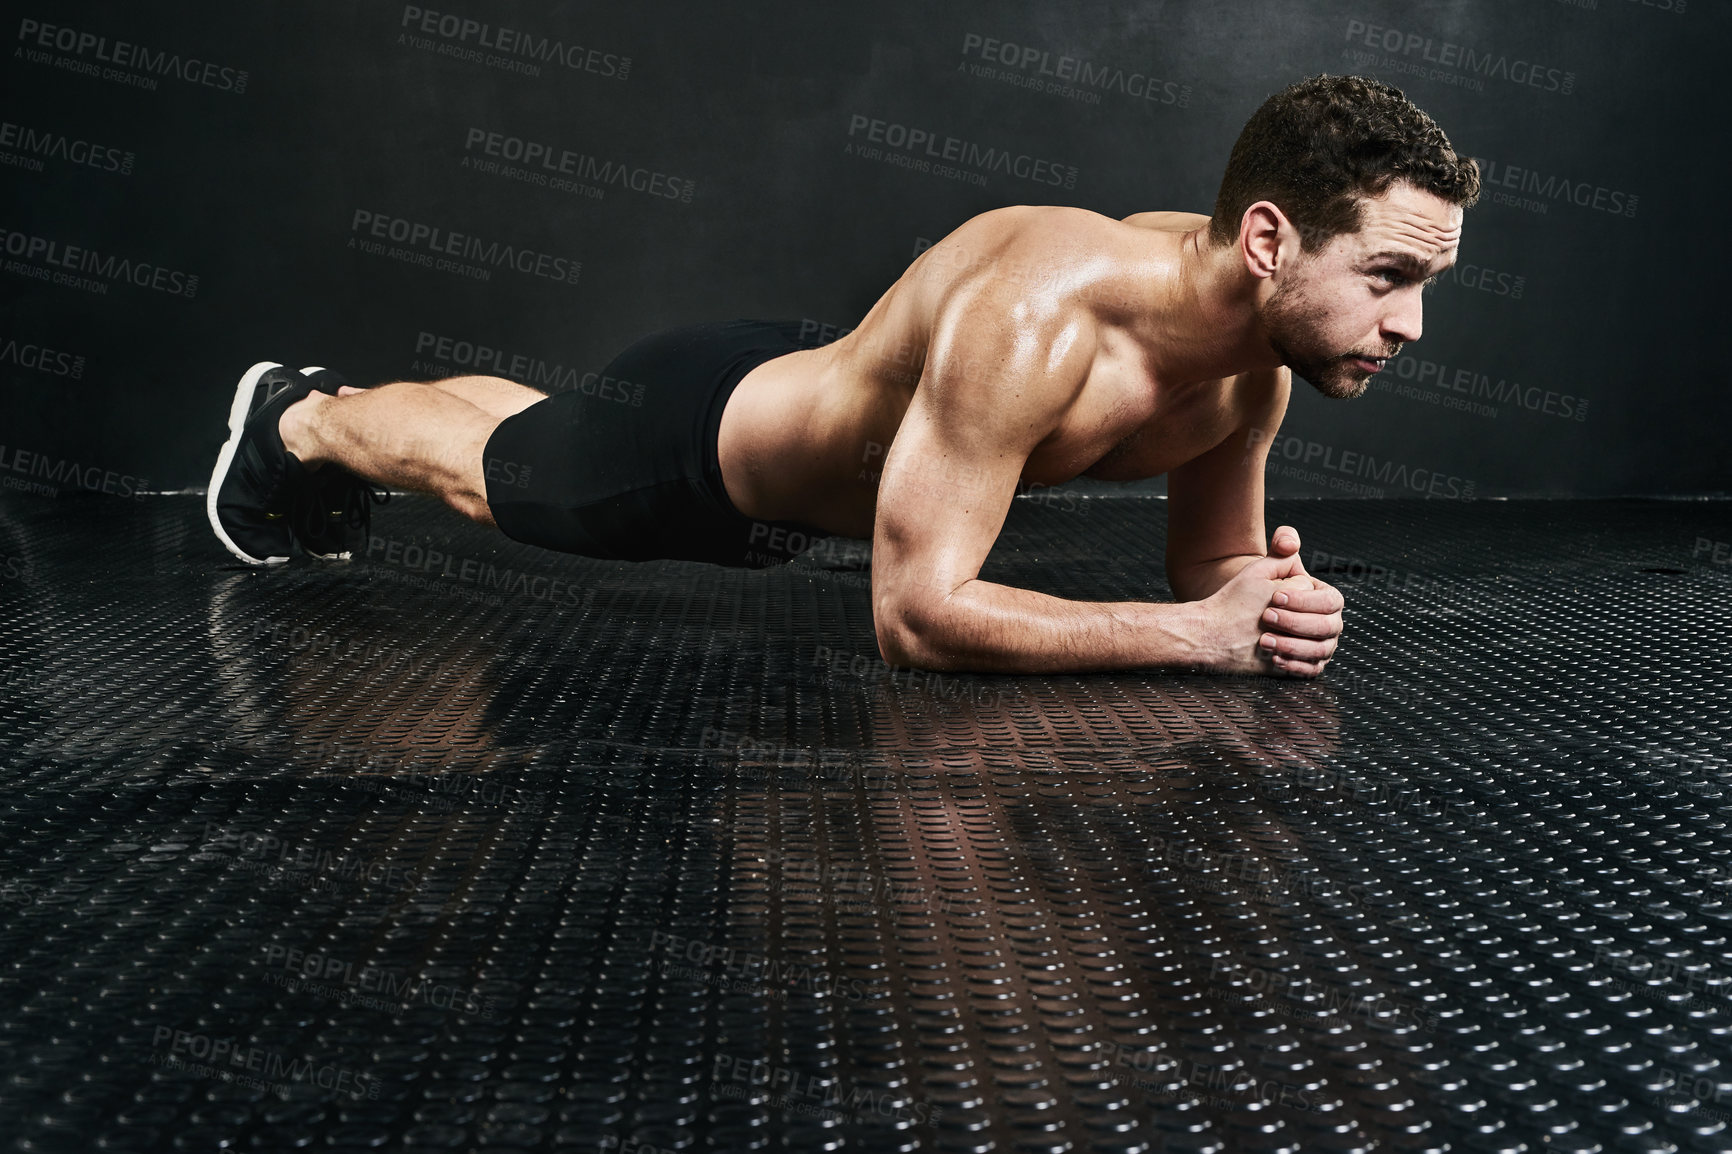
(1041, 314)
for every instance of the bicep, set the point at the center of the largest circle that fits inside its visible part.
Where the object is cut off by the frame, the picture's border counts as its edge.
(1215, 501)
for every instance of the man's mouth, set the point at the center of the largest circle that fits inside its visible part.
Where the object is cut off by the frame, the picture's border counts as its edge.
(1370, 364)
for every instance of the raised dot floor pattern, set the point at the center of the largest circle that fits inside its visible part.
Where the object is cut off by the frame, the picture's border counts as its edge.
(465, 845)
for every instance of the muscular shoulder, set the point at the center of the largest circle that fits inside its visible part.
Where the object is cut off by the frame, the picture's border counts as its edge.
(1020, 248)
(1167, 221)
(1006, 323)
(1017, 220)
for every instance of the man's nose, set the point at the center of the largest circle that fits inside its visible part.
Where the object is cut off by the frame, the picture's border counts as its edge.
(1406, 322)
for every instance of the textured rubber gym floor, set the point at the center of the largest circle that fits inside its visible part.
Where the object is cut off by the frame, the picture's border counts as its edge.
(465, 845)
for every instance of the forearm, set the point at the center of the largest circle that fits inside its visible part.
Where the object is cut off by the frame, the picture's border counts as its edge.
(1200, 580)
(984, 627)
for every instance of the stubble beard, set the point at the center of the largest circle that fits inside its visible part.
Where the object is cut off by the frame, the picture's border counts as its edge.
(1290, 320)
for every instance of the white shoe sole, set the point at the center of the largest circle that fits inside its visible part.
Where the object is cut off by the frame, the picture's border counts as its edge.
(238, 410)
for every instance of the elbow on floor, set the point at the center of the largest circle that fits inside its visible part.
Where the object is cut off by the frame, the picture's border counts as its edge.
(902, 644)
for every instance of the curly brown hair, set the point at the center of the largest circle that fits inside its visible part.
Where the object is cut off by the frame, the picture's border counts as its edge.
(1320, 147)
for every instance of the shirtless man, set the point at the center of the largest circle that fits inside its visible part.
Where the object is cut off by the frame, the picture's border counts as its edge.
(1030, 346)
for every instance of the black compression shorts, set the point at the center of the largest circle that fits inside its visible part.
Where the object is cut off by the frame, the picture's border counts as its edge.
(625, 468)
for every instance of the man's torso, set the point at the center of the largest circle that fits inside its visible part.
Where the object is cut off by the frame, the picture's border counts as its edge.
(804, 435)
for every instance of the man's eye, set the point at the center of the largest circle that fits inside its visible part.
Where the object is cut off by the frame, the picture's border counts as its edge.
(1391, 276)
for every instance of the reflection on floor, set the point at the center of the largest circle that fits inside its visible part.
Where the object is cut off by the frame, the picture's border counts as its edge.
(466, 845)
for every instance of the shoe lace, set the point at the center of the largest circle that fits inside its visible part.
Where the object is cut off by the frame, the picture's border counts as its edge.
(307, 515)
(358, 497)
(341, 497)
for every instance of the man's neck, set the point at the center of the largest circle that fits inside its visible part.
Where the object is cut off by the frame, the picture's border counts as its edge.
(1201, 325)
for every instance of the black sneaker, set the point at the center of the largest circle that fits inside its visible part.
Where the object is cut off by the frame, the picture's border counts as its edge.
(256, 482)
(337, 502)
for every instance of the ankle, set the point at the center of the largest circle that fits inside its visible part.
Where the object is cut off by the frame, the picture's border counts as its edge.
(298, 427)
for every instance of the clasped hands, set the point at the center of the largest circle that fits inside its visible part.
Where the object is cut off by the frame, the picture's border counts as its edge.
(1274, 617)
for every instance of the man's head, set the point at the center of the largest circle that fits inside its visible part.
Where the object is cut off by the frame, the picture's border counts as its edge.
(1343, 198)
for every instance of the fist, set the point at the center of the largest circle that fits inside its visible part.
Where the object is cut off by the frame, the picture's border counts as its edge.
(1302, 622)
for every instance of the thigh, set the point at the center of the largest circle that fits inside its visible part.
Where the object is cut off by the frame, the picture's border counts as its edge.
(495, 396)
(625, 466)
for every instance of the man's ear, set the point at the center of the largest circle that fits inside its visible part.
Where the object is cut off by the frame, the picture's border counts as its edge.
(1260, 238)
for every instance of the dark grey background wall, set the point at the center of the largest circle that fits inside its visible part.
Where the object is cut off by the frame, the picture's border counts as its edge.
(408, 190)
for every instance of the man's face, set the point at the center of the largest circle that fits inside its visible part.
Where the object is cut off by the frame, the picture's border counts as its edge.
(1337, 315)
